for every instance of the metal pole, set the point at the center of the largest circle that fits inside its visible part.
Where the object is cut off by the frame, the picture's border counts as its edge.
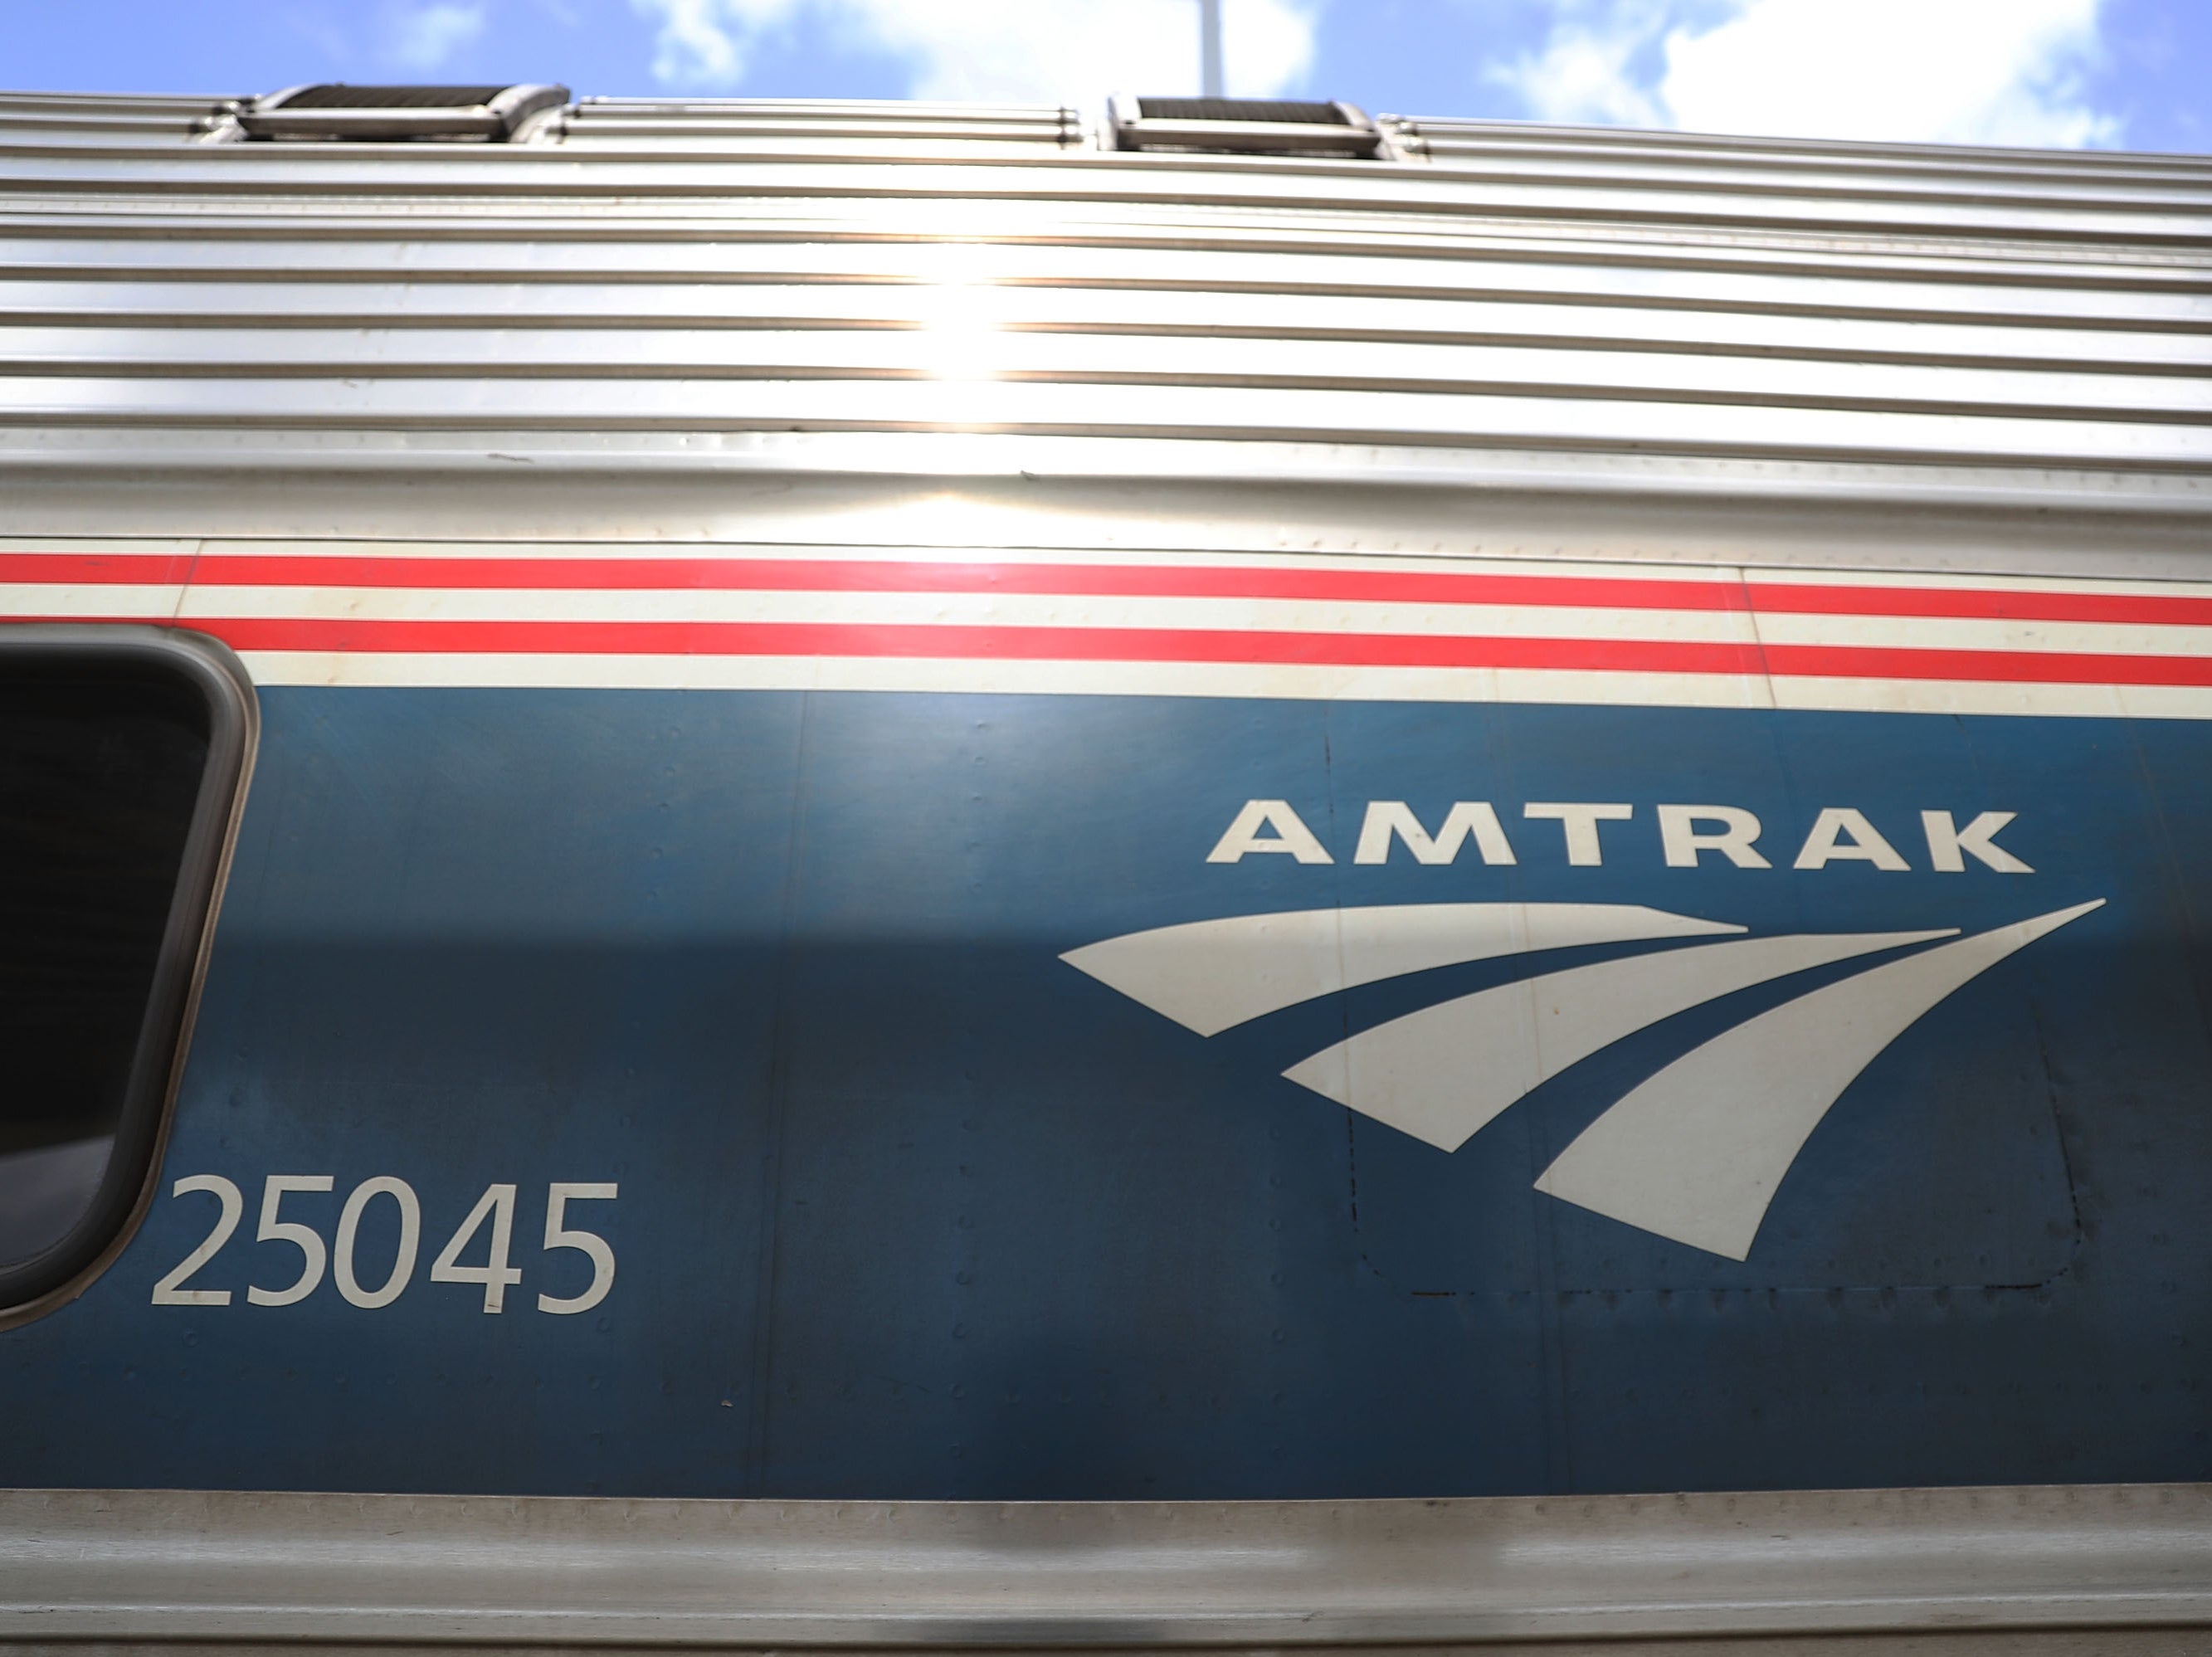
(1209, 47)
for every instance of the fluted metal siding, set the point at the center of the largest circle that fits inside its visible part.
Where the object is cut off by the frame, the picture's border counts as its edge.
(733, 266)
(740, 126)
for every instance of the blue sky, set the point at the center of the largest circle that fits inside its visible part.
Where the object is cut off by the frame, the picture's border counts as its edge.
(2132, 73)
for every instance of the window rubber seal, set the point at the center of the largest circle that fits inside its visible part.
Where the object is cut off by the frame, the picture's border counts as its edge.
(60, 1272)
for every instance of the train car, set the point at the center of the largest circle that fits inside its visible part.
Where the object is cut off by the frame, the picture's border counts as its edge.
(788, 874)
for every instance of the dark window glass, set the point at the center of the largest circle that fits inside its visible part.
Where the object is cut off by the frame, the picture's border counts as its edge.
(108, 754)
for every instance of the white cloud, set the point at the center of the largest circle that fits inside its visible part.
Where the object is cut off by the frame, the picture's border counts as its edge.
(1066, 50)
(1956, 71)
(424, 37)
(1945, 71)
(1586, 70)
(705, 42)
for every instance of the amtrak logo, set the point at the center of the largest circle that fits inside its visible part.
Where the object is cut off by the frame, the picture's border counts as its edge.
(1696, 1152)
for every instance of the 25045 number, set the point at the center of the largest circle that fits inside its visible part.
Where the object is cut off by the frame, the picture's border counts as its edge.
(494, 1214)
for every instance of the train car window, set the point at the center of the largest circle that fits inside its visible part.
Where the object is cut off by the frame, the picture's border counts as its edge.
(122, 753)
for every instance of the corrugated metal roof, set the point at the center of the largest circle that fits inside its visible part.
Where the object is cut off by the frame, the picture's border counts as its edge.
(671, 270)
(741, 126)
(76, 120)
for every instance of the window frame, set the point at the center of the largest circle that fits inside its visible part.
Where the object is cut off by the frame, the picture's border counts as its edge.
(206, 667)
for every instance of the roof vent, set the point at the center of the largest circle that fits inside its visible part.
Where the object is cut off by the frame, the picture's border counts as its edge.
(482, 114)
(1262, 127)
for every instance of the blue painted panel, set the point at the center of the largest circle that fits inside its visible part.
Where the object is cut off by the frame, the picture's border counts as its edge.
(909, 1207)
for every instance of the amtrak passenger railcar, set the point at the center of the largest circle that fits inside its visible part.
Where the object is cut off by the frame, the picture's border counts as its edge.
(889, 875)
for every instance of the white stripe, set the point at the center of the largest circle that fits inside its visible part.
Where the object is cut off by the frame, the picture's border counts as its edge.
(83, 546)
(1849, 695)
(1945, 633)
(1805, 576)
(1207, 679)
(1562, 687)
(29, 599)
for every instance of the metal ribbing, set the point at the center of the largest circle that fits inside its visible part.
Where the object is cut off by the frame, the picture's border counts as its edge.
(733, 266)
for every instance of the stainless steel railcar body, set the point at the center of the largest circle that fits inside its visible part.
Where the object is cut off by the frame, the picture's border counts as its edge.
(1189, 897)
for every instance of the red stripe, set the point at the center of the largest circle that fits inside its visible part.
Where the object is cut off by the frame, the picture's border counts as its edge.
(1197, 645)
(1994, 666)
(882, 576)
(1713, 594)
(96, 568)
(1054, 580)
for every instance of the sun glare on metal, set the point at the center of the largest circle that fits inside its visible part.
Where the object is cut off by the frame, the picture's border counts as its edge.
(959, 315)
